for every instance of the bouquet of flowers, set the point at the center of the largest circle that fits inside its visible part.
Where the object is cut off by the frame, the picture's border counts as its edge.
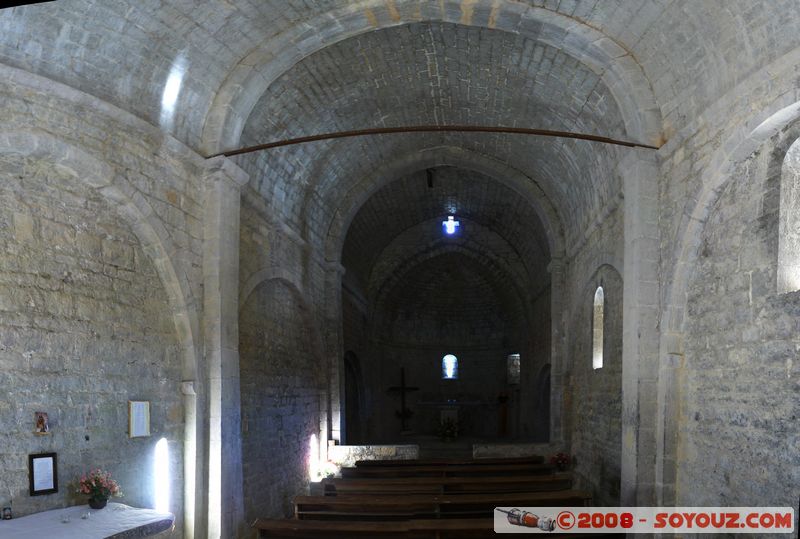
(560, 461)
(98, 484)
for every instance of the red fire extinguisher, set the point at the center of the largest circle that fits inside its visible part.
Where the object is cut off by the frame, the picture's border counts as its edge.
(517, 517)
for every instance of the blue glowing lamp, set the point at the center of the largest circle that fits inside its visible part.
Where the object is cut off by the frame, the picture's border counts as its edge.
(450, 225)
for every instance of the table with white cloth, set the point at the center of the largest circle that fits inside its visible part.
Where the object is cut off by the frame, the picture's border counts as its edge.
(115, 521)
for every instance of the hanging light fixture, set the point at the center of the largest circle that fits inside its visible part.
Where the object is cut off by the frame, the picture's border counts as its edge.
(450, 225)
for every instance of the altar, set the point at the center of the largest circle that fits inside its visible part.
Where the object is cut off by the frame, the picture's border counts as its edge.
(467, 414)
(116, 521)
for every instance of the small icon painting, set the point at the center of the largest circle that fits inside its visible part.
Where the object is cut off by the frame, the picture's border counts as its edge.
(42, 424)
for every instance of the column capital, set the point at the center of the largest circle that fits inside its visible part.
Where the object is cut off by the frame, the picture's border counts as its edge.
(223, 167)
(187, 387)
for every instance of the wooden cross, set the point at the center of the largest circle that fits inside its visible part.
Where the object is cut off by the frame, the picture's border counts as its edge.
(404, 412)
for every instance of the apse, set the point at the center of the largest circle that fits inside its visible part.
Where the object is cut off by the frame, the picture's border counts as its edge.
(445, 273)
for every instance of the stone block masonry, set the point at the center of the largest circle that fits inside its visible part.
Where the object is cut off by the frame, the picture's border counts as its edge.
(84, 327)
(739, 391)
(282, 384)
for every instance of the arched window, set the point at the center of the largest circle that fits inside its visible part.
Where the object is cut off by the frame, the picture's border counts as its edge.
(449, 367)
(597, 329)
(789, 222)
(513, 369)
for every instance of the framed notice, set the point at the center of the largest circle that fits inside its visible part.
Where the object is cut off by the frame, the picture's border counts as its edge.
(138, 419)
(43, 473)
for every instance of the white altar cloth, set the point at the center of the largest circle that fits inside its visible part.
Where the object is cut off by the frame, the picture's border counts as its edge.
(116, 520)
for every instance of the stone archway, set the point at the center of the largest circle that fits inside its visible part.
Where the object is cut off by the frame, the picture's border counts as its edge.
(526, 187)
(755, 131)
(354, 398)
(282, 395)
(251, 77)
(134, 210)
(119, 324)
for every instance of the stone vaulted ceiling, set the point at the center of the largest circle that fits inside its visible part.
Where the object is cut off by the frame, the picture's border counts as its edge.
(436, 74)
(218, 74)
(400, 228)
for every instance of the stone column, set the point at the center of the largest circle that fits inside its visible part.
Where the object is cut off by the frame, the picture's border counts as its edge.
(640, 328)
(189, 458)
(557, 349)
(334, 351)
(223, 180)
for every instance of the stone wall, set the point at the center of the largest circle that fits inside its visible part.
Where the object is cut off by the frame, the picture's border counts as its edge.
(85, 326)
(282, 383)
(449, 304)
(739, 392)
(593, 398)
(481, 379)
(533, 417)
(150, 181)
(596, 394)
(696, 164)
(359, 395)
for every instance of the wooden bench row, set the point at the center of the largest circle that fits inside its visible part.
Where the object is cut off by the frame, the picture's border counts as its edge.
(446, 485)
(534, 459)
(482, 528)
(369, 507)
(450, 470)
(424, 499)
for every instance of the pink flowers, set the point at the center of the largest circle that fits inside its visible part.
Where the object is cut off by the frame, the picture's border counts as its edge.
(98, 484)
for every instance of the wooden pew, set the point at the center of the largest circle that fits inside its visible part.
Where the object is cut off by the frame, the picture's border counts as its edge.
(442, 499)
(473, 528)
(533, 459)
(446, 485)
(416, 529)
(393, 507)
(455, 470)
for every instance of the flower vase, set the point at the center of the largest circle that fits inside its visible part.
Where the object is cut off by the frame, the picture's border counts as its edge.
(97, 503)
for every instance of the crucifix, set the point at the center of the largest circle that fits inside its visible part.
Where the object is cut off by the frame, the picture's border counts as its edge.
(404, 413)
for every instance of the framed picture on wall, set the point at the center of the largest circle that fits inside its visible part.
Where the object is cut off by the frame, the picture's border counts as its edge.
(138, 419)
(43, 473)
(42, 424)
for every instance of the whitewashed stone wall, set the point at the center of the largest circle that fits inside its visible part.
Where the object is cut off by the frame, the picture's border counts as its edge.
(593, 400)
(739, 382)
(85, 326)
(283, 370)
(697, 165)
(110, 250)
(281, 399)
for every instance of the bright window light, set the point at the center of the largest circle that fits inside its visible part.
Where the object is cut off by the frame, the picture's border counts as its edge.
(597, 329)
(449, 367)
(450, 225)
(313, 458)
(172, 89)
(161, 476)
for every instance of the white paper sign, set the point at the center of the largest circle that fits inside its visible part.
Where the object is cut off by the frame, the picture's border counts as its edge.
(43, 474)
(139, 418)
